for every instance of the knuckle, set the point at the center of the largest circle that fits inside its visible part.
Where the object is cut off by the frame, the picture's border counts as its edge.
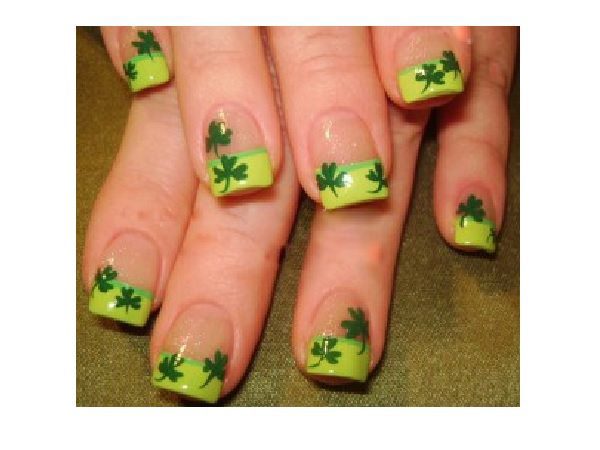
(491, 72)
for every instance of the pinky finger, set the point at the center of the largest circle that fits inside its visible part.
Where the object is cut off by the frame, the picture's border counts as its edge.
(470, 179)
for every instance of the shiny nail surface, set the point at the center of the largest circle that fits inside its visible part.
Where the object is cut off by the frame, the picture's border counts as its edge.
(431, 79)
(124, 282)
(237, 161)
(194, 357)
(148, 67)
(347, 355)
(472, 227)
(348, 169)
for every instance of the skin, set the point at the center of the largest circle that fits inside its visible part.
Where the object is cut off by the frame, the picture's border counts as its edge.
(319, 70)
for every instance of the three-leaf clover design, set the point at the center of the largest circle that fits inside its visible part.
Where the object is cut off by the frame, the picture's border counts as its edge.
(168, 368)
(146, 44)
(472, 208)
(229, 170)
(129, 70)
(103, 279)
(328, 178)
(216, 367)
(127, 300)
(429, 75)
(325, 351)
(449, 63)
(218, 134)
(377, 177)
(357, 326)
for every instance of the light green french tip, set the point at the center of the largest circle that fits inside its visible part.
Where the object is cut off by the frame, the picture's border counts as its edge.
(186, 376)
(122, 302)
(240, 171)
(422, 82)
(470, 233)
(347, 358)
(146, 70)
(351, 184)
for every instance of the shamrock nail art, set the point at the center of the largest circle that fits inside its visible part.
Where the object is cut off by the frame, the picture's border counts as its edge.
(472, 228)
(120, 301)
(350, 184)
(235, 172)
(431, 79)
(149, 67)
(345, 356)
(202, 380)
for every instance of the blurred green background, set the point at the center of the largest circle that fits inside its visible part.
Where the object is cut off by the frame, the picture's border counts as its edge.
(453, 337)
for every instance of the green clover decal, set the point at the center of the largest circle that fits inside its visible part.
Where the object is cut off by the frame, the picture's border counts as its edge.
(218, 134)
(449, 63)
(429, 75)
(325, 351)
(103, 279)
(377, 177)
(229, 170)
(216, 367)
(168, 366)
(472, 208)
(127, 300)
(358, 326)
(130, 71)
(146, 43)
(328, 178)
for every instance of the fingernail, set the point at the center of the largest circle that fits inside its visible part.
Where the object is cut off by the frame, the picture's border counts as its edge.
(123, 287)
(474, 226)
(145, 65)
(348, 168)
(428, 68)
(238, 160)
(193, 360)
(340, 345)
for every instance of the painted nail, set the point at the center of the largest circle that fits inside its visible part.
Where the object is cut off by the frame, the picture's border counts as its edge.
(123, 287)
(238, 160)
(473, 227)
(145, 64)
(348, 168)
(341, 348)
(194, 357)
(433, 78)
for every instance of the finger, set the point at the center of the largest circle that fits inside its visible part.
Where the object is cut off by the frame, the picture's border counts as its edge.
(345, 287)
(141, 55)
(228, 108)
(422, 67)
(140, 214)
(335, 110)
(220, 289)
(470, 179)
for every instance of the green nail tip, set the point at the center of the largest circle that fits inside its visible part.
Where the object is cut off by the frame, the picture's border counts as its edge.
(201, 380)
(240, 171)
(346, 357)
(149, 67)
(431, 79)
(472, 229)
(351, 184)
(120, 301)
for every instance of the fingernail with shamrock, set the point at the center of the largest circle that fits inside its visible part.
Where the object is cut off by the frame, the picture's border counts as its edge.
(348, 169)
(427, 65)
(125, 279)
(237, 159)
(474, 224)
(340, 346)
(194, 356)
(142, 53)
